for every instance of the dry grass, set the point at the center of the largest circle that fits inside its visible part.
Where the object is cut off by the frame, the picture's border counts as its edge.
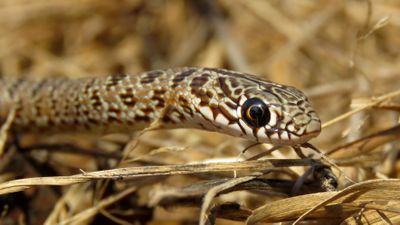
(344, 54)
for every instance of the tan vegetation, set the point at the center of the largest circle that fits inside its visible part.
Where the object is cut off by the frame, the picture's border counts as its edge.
(345, 55)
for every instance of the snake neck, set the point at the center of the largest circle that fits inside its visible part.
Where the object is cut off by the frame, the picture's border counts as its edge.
(121, 103)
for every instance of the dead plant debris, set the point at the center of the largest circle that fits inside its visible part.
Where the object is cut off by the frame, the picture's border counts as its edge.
(343, 54)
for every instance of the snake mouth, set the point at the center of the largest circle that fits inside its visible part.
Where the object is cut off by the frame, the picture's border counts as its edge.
(288, 137)
(312, 130)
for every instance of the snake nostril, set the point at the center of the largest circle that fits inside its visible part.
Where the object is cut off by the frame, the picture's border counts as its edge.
(297, 126)
(300, 121)
(313, 127)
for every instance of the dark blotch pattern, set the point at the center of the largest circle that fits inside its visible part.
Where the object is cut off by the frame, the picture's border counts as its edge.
(95, 99)
(150, 77)
(114, 80)
(226, 89)
(128, 97)
(200, 81)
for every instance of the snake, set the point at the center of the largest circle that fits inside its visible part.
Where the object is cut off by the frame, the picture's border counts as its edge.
(213, 99)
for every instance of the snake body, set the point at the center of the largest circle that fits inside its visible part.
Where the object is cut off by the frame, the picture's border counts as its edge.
(212, 99)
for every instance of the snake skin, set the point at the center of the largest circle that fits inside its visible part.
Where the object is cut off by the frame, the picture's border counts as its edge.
(203, 98)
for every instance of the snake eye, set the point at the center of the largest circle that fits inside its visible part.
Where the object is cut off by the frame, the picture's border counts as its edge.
(255, 112)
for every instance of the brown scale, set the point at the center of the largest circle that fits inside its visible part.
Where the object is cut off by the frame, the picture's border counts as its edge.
(227, 115)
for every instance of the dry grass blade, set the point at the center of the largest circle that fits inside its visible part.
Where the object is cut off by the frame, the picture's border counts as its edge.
(213, 192)
(379, 214)
(383, 190)
(193, 194)
(4, 130)
(286, 209)
(365, 144)
(373, 103)
(90, 212)
(330, 205)
(130, 172)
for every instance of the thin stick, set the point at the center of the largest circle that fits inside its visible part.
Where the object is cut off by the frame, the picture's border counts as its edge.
(373, 102)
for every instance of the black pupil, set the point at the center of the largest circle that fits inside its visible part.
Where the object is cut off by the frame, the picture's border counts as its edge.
(255, 113)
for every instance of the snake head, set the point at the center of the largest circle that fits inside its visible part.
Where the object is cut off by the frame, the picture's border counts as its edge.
(267, 112)
(278, 114)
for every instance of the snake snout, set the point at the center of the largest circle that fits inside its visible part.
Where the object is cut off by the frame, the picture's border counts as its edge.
(307, 125)
(313, 127)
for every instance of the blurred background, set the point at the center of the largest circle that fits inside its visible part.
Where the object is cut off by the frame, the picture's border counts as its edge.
(340, 53)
